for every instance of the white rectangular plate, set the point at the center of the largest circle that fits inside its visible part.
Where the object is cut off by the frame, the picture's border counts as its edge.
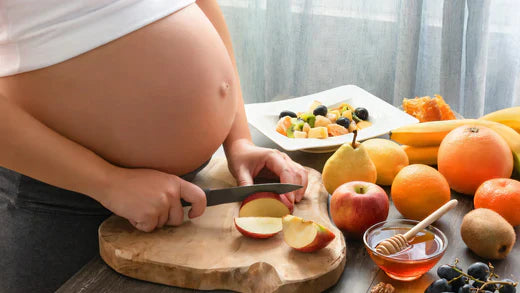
(384, 117)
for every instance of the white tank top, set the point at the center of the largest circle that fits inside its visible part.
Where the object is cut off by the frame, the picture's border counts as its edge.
(39, 33)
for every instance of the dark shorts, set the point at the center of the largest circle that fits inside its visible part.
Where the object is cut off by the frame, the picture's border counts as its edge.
(46, 233)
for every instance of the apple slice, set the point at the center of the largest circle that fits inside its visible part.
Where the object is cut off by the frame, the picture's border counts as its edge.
(258, 227)
(305, 236)
(265, 204)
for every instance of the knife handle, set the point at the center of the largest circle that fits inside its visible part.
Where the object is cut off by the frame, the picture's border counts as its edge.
(185, 203)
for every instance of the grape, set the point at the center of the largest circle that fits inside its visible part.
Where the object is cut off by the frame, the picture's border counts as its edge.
(479, 270)
(447, 272)
(465, 289)
(506, 288)
(457, 283)
(438, 286)
(320, 110)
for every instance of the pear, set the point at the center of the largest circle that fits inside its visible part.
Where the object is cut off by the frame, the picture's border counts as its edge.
(350, 162)
(487, 233)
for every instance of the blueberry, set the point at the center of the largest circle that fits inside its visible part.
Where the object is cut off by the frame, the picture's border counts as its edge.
(479, 270)
(320, 110)
(447, 272)
(361, 113)
(345, 122)
(506, 288)
(287, 113)
(438, 286)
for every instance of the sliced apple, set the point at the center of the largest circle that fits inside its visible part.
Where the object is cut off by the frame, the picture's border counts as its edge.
(306, 236)
(258, 227)
(265, 204)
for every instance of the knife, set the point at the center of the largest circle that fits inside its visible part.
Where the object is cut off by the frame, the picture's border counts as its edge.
(239, 193)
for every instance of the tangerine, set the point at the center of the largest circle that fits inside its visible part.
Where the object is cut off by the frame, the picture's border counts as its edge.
(501, 195)
(470, 155)
(418, 190)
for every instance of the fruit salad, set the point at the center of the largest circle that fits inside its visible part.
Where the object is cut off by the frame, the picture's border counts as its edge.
(322, 122)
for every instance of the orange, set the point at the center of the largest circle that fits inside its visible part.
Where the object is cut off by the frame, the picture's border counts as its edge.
(418, 190)
(501, 195)
(470, 155)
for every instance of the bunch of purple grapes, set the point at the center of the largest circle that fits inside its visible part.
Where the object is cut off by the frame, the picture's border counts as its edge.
(479, 278)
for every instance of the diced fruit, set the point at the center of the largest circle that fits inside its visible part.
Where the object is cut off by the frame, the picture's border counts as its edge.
(361, 113)
(318, 132)
(258, 227)
(286, 113)
(363, 124)
(322, 121)
(320, 110)
(314, 105)
(265, 204)
(352, 126)
(305, 236)
(345, 122)
(345, 107)
(336, 130)
(333, 115)
(306, 127)
(309, 118)
(347, 114)
(283, 124)
(300, 134)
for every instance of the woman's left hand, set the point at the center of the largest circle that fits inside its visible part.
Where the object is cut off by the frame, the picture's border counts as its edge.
(246, 160)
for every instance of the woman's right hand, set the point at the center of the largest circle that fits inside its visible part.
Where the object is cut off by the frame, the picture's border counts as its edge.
(150, 199)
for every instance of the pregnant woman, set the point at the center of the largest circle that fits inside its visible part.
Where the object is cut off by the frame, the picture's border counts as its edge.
(111, 106)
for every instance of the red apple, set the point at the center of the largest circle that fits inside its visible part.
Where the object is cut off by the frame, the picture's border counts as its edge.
(265, 204)
(357, 205)
(305, 236)
(258, 227)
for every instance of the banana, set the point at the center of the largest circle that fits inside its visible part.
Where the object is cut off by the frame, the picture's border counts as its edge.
(432, 133)
(508, 116)
(426, 133)
(421, 155)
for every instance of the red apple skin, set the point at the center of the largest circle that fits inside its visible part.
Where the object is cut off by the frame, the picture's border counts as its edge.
(322, 239)
(252, 234)
(277, 196)
(354, 212)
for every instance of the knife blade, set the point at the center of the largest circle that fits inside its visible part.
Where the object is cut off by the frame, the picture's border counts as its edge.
(239, 193)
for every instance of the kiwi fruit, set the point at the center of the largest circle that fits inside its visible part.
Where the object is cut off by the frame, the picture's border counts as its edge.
(487, 234)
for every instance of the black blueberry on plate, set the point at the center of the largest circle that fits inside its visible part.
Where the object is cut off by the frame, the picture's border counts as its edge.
(361, 113)
(506, 288)
(320, 110)
(345, 122)
(479, 270)
(439, 286)
(287, 113)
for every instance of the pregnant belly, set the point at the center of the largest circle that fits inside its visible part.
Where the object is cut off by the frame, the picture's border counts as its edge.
(162, 97)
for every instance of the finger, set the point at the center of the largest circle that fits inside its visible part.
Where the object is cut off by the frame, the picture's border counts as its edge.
(305, 182)
(147, 226)
(176, 213)
(244, 177)
(276, 163)
(164, 215)
(193, 194)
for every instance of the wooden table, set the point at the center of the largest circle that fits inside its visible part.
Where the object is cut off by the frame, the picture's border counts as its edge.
(360, 272)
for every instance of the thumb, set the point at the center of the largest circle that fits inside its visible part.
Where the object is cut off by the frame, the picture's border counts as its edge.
(244, 177)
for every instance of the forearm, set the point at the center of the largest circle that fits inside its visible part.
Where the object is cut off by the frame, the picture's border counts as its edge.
(29, 147)
(240, 130)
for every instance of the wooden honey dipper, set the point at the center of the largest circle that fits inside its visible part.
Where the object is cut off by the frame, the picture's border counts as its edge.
(399, 242)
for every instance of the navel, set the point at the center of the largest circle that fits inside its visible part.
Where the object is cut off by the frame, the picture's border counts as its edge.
(225, 88)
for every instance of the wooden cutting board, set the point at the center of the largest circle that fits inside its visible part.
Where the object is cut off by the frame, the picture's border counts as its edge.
(209, 253)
